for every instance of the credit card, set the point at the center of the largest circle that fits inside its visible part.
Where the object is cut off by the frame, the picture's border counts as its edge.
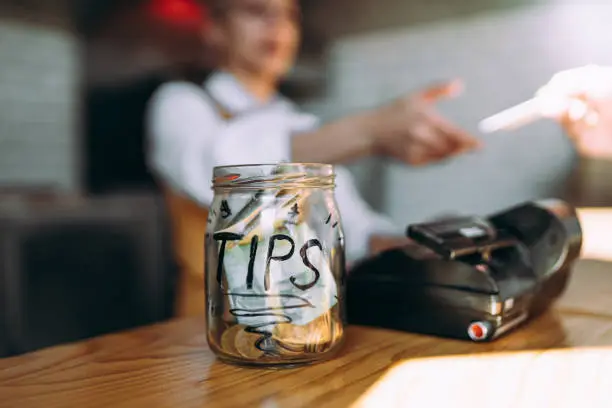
(514, 117)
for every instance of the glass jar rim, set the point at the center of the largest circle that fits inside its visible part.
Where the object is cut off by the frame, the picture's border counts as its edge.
(274, 175)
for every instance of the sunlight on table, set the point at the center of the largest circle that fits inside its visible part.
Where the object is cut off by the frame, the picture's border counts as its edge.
(565, 378)
(596, 226)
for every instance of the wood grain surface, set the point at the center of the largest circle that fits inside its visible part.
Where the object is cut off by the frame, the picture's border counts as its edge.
(169, 365)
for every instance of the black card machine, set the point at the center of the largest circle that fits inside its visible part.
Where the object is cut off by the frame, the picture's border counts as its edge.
(469, 277)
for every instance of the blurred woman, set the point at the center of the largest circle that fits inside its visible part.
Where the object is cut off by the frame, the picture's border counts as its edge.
(238, 117)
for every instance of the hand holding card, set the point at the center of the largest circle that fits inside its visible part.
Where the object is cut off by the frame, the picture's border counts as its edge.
(580, 99)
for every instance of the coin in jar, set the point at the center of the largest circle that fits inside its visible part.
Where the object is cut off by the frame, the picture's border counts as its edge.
(246, 344)
(290, 350)
(228, 339)
(299, 335)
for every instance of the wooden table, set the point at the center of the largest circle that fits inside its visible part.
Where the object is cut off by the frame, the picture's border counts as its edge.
(169, 365)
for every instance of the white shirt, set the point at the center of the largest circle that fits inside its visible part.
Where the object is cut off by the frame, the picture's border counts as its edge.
(188, 138)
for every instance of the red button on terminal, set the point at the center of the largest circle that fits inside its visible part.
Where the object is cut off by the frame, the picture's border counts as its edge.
(478, 331)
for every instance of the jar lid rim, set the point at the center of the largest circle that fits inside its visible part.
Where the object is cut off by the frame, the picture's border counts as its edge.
(269, 175)
(271, 165)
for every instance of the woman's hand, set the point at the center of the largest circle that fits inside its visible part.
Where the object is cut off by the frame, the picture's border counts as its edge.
(409, 129)
(412, 131)
(581, 100)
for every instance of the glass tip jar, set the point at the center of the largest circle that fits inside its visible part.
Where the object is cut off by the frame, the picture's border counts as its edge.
(275, 268)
